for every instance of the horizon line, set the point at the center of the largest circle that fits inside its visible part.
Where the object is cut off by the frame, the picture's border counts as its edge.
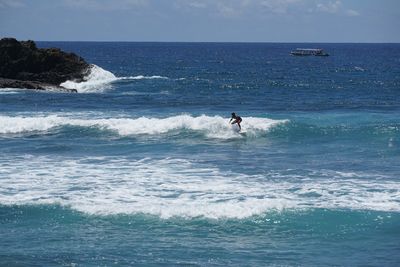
(236, 42)
(233, 42)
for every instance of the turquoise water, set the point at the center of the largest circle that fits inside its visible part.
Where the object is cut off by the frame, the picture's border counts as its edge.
(142, 168)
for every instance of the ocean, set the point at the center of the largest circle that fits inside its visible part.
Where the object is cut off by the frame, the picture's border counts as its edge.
(142, 168)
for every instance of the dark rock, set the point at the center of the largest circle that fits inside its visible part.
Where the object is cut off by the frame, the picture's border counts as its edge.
(39, 68)
(10, 83)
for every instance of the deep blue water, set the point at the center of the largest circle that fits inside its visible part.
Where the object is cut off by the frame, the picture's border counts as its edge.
(142, 168)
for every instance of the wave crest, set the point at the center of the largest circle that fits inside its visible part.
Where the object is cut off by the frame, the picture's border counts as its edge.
(210, 126)
(100, 79)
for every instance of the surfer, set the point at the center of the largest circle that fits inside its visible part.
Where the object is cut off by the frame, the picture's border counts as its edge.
(236, 119)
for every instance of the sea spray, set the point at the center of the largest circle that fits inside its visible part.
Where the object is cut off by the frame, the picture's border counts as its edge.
(97, 80)
(100, 79)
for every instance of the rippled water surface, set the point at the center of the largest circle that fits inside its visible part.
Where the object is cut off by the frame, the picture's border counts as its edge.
(141, 167)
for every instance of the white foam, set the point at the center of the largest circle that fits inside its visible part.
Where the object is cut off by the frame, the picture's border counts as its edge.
(97, 80)
(141, 77)
(100, 79)
(9, 91)
(28, 124)
(213, 127)
(177, 187)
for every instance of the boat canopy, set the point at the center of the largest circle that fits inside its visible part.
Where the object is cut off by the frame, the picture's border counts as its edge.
(310, 49)
(309, 52)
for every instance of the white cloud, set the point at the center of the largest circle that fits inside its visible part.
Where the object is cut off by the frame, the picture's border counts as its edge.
(236, 8)
(197, 4)
(11, 3)
(336, 7)
(330, 7)
(105, 4)
(352, 13)
(279, 6)
(224, 8)
(227, 11)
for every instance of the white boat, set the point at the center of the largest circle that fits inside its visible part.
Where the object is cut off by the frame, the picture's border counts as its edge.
(309, 52)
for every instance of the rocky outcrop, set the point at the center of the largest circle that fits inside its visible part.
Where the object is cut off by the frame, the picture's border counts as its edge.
(23, 65)
(10, 83)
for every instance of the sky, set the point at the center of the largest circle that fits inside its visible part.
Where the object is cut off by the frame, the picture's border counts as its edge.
(359, 21)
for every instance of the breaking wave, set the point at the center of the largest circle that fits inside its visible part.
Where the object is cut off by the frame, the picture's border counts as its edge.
(209, 126)
(213, 127)
(178, 187)
(100, 79)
